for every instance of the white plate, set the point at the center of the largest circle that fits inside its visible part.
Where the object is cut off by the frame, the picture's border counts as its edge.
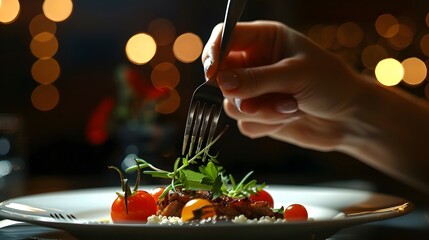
(80, 213)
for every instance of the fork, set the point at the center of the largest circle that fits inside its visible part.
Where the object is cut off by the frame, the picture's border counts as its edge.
(206, 103)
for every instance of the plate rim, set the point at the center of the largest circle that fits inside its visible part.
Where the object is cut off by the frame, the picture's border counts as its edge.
(318, 225)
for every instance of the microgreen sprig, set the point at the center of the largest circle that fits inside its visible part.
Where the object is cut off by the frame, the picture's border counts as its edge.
(244, 188)
(209, 176)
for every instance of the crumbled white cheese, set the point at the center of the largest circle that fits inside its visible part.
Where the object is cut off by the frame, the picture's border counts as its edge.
(163, 220)
(243, 219)
(240, 219)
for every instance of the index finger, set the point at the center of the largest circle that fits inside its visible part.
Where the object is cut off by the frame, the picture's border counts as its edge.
(252, 44)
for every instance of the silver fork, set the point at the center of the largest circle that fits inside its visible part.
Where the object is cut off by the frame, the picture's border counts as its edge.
(206, 102)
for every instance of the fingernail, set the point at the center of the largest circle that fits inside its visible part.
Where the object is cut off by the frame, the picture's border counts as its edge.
(287, 106)
(237, 103)
(228, 80)
(207, 64)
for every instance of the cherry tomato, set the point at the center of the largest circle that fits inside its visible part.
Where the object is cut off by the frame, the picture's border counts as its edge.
(140, 206)
(295, 212)
(263, 196)
(156, 192)
(198, 208)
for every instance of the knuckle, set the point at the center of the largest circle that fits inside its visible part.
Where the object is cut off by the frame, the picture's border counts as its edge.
(255, 77)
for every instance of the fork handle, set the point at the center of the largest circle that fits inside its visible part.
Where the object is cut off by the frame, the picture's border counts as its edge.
(234, 10)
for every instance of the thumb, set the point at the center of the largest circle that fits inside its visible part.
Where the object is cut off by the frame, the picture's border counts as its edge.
(210, 52)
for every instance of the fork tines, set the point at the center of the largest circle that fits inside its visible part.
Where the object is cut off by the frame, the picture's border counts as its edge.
(206, 103)
(203, 117)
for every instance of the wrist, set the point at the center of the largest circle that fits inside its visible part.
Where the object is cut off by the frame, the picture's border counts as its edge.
(388, 132)
(362, 123)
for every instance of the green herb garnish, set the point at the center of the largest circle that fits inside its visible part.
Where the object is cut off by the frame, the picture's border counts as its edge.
(209, 176)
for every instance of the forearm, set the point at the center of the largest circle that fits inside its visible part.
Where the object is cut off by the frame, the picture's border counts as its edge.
(389, 131)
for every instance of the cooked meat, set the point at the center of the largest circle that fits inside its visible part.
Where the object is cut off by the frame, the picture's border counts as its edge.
(173, 209)
(225, 206)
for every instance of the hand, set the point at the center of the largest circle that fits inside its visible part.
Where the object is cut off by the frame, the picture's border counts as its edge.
(277, 83)
(280, 84)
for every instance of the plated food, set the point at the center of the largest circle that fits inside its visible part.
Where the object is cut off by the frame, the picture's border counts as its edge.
(199, 190)
(193, 183)
(85, 213)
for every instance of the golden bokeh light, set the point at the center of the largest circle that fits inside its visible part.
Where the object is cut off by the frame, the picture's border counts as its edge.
(403, 38)
(44, 45)
(415, 71)
(314, 33)
(45, 97)
(324, 35)
(328, 36)
(349, 34)
(389, 72)
(187, 47)
(373, 54)
(41, 23)
(424, 44)
(165, 75)
(44, 37)
(427, 19)
(140, 48)
(162, 30)
(57, 10)
(45, 71)
(170, 104)
(9, 10)
(387, 25)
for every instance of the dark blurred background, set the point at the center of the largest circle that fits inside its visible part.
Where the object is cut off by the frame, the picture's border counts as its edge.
(68, 129)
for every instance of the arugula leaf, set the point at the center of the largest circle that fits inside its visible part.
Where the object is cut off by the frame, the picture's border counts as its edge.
(217, 187)
(195, 180)
(210, 170)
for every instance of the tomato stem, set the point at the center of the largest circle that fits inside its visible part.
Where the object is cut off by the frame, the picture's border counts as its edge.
(136, 186)
(121, 175)
(126, 189)
(127, 194)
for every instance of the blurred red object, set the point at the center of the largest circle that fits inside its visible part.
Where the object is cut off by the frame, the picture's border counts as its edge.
(97, 130)
(142, 87)
(136, 93)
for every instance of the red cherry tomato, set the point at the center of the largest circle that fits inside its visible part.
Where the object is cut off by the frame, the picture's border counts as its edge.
(263, 196)
(156, 192)
(295, 212)
(140, 206)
